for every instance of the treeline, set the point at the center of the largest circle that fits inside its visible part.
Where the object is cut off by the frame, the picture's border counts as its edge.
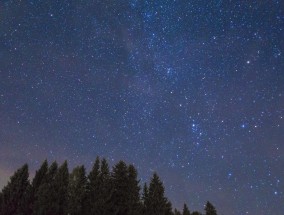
(55, 191)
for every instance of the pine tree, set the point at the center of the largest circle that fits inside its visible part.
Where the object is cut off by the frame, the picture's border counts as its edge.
(37, 182)
(185, 210)
(61, 187)
(104, 189)
(46, 195)
(168, 208)
(145, 199)
(77, 191)
(210, 209)
(40, 176)
(120, 195)
(93, 189)
(134, 191)
(15, 195)
(157, 203)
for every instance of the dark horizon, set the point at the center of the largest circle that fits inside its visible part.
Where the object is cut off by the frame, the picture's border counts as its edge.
(193, 90)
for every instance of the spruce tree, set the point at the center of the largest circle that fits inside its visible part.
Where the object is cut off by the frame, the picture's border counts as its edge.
(104, 189)
(210, 209)
(157, 203)
(46, 195)
(134, 191)
(168, 207)
(40, 176)
(15, 195)
(77, 191)
(145, 199)
(93, 188)
(61, 187)
(120, 195)
(185, 210)
(38, 180)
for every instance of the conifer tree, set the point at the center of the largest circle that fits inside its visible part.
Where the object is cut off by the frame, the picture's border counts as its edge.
(145, 199)
(185, 210)
(38, 180)
(92, 188)
(134, 191)
(169, 210)
(16, 194)
(40, 176)
(104, 189)
(157, 203)
(120, 195)
(77, 191)
(46, 196)
(61, 187)
(210, 209)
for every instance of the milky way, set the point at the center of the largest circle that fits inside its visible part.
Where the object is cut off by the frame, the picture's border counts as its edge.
(191, 89)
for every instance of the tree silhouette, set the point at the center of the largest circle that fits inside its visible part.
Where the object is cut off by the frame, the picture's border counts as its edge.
(145, 199)
(54, 191)
(77, 191)
(156, 203)
(46, 196)
(120, 197)
(61, 187)
(185, 210)
(134, 203)
(38, 180)
(210, 209)
(92, 188)
(15, 195)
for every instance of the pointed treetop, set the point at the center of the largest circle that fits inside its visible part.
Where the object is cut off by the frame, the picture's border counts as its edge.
(210, 209)
(185, 210)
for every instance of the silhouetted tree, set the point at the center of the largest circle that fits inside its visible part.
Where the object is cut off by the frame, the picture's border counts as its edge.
(56, 192)
(156, 203)
(185, 210)
(46, 195)
(38, 180)
(61, 188)
(92, 188)
(145, 199)
(77, 191)
(134, 203)
(120, 195)
(210, 209)
(169, 209)
(15, 195)
(104, 189)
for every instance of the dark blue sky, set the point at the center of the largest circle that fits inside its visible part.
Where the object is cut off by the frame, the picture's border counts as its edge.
(191, 89)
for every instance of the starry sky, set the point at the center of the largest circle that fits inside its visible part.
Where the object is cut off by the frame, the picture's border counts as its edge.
(192, 89)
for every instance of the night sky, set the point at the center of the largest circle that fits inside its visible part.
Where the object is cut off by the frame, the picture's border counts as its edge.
(191, 89)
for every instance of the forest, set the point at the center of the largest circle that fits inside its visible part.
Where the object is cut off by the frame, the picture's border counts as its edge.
(55, 191)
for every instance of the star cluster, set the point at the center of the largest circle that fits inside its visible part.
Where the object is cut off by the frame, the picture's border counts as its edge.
(191, 89)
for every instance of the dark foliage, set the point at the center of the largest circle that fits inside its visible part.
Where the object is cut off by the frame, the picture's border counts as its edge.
(54, 191)
(15, 196)
(210, 209)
